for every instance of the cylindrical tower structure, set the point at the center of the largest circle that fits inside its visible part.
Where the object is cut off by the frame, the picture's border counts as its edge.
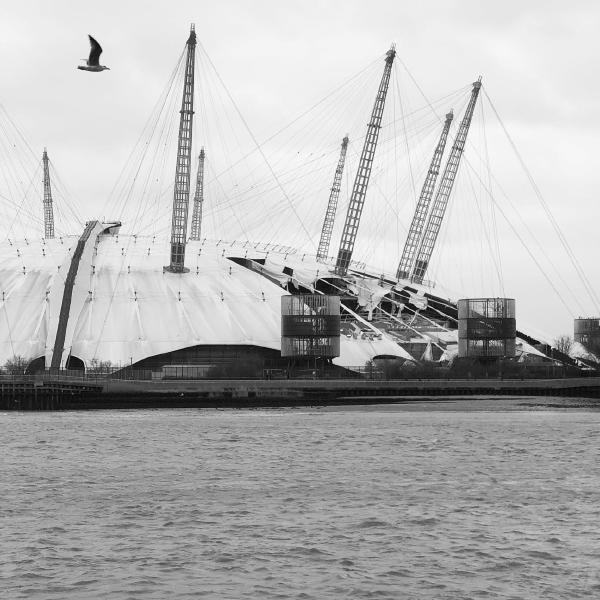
(310, 325)
(487, 327)
(587, 332)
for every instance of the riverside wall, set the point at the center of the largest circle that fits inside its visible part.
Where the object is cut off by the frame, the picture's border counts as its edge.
(99, 394)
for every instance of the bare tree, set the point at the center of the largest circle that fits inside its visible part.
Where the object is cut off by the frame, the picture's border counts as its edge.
(99, 367)
(563, 343)
(16, 365)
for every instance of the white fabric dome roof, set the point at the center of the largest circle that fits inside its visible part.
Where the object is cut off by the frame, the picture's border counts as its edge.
(125, 307)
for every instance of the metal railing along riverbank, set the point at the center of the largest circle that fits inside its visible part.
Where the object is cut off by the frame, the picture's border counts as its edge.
(357, 373)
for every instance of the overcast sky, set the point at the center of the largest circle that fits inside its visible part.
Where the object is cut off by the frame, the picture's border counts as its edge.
(539, 60)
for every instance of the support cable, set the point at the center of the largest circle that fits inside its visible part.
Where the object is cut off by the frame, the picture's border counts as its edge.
(262, 153)
(527, 249)
(593, 296)
(151, 124)
(403, 117)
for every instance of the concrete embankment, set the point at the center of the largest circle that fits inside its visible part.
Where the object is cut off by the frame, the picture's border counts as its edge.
(240, 393)
(98, 394)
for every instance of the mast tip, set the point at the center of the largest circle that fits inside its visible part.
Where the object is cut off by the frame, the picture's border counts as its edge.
(390, 54)
(192, 38)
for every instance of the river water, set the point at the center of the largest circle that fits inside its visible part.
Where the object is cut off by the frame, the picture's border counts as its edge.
(454, 500)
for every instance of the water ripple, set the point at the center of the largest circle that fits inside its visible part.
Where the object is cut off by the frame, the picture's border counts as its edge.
(297, 504)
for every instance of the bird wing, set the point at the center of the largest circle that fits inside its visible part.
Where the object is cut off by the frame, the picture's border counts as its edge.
(95, 52)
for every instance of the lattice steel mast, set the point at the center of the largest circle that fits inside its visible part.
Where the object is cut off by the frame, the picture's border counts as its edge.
(442, 195)
(198, 199)
(181, 196)
(359, 191)
(332, 204)
(48, 209)
(418, 221)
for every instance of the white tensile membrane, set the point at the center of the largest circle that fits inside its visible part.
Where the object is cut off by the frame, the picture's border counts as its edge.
(125, 308)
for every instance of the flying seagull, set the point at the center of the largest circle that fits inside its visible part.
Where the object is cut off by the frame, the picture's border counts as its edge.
(92, 63)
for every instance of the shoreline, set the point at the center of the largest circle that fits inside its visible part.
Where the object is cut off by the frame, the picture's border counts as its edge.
(416, 404)
(38, 393)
